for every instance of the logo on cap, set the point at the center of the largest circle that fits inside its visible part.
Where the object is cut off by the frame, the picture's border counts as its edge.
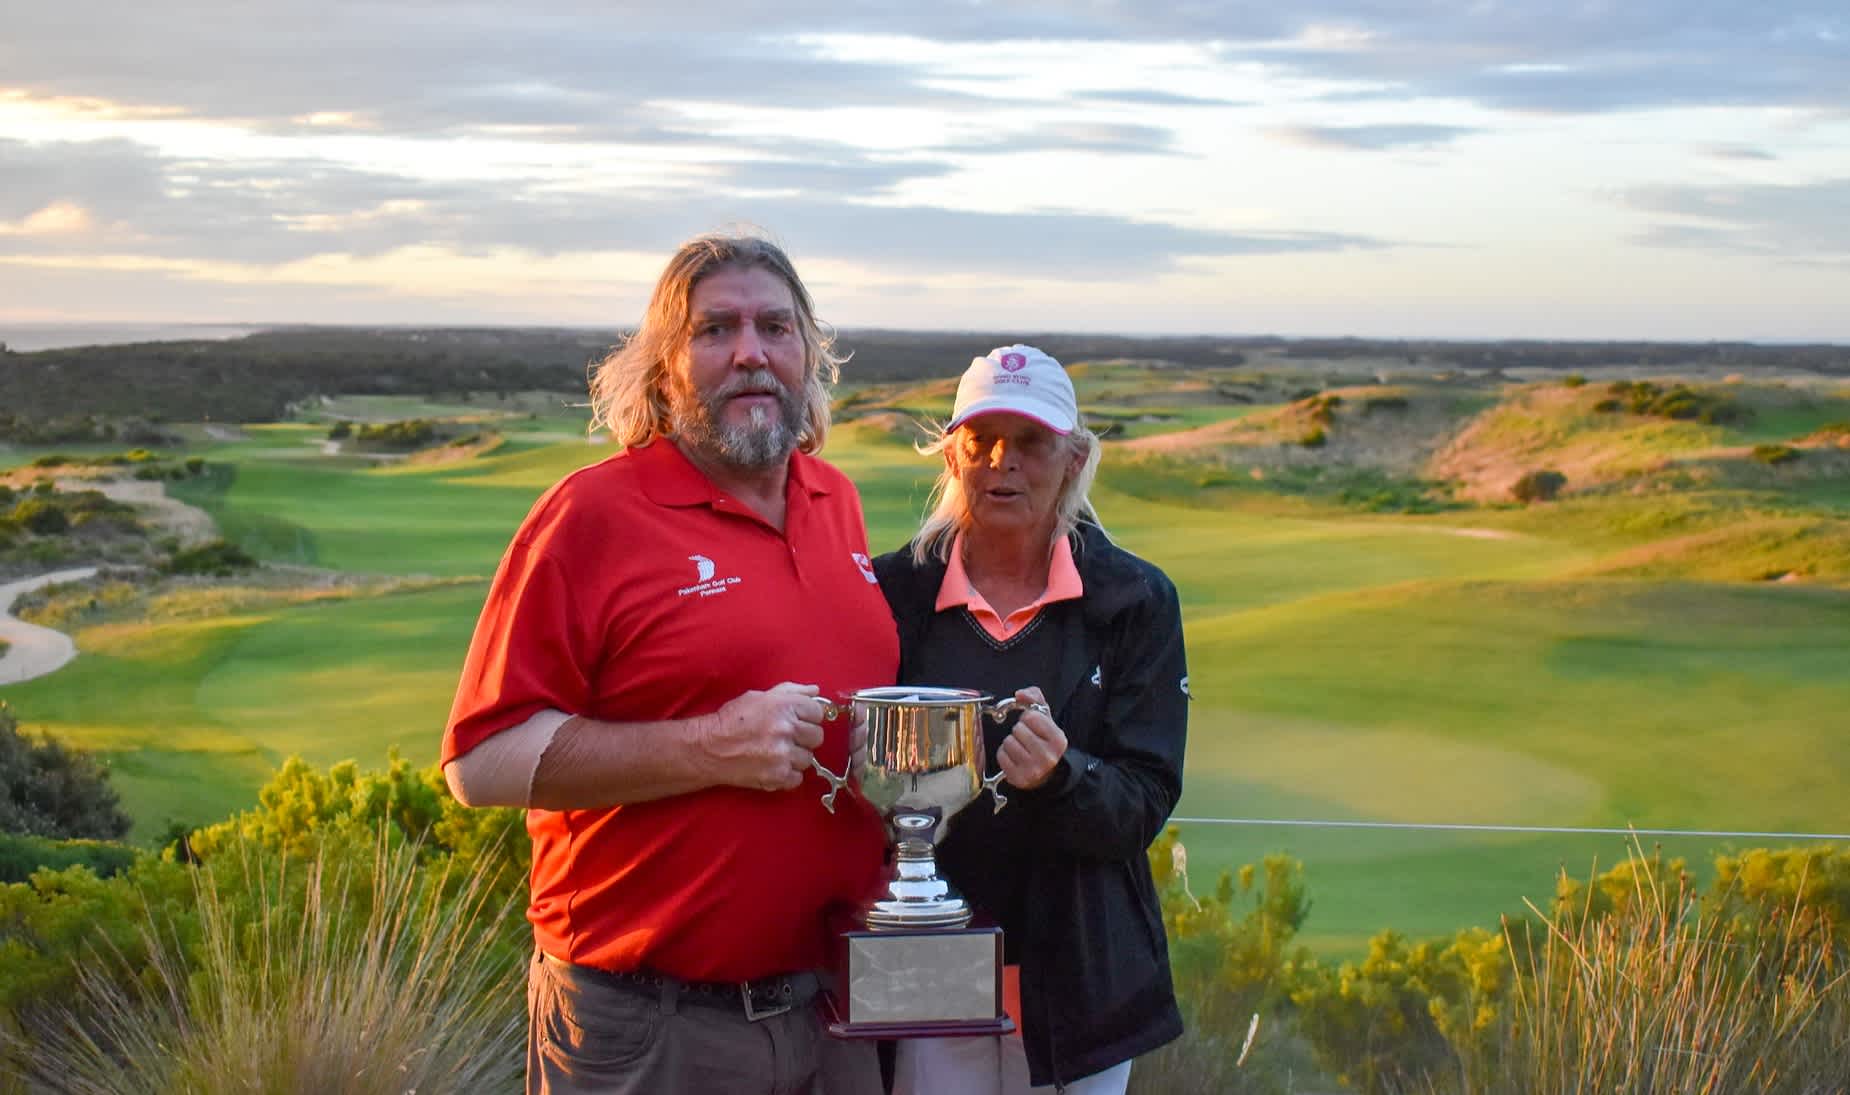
(1014, 362)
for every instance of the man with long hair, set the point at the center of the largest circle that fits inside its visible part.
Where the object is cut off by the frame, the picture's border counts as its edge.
(650, 678)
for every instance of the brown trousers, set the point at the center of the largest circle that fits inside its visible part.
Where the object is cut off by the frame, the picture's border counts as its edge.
(588, 1036)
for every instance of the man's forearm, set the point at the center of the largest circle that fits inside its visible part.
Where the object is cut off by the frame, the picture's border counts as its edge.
(591, 764)
(760, 740)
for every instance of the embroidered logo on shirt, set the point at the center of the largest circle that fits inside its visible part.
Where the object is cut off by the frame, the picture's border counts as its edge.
(866, 565)
(705, 584)
(1185, 692)
(1098, 676)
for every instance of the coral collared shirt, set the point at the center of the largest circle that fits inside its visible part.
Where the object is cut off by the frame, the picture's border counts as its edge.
(955, 591)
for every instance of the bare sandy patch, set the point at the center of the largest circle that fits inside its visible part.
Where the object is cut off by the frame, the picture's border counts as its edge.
(190, 525)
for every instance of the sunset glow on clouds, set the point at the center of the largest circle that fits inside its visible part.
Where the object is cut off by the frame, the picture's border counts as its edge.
(1658, 170)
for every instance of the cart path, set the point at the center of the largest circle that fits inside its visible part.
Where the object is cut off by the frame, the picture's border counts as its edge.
(35, 650)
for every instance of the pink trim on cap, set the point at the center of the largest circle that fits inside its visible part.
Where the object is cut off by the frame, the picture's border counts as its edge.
(997, 408)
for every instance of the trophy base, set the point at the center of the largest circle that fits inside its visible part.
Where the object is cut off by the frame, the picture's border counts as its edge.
(924, 983)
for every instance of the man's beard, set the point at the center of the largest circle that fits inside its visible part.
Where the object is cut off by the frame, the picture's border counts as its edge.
(764, 441)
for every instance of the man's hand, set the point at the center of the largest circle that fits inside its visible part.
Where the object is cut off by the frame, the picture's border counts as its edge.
(762, 740)
(1034, 747)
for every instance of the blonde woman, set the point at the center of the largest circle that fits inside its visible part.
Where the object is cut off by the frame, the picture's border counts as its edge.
(1011, 586)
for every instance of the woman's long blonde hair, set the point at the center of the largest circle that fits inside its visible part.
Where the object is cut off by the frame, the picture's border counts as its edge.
(948, 511)
(629, 385)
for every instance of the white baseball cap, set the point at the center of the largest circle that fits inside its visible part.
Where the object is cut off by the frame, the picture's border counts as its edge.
(1019, 380)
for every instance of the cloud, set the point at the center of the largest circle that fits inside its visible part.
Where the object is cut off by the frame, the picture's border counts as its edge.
(1153, 97)
(404, 66)
(1104, 137)
(1807, 222)
(1371, 137)
(279, 212)
(1738, 152)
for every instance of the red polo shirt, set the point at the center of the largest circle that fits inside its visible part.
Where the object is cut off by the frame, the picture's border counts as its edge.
(636, 591)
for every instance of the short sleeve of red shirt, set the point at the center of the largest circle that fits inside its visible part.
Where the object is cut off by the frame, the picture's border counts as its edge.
(530, 650)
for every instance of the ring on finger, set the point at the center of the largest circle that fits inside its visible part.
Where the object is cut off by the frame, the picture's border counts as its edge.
(1042, 708)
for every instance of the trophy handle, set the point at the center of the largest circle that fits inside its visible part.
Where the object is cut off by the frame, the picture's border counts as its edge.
(1004, 708)
(836, 783)
(1000, 711)
(830, 712)
(993, 784)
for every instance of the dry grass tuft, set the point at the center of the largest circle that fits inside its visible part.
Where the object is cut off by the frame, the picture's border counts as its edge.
(335, 975)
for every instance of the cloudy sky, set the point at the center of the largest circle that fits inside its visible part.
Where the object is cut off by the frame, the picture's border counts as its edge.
(1673, 169)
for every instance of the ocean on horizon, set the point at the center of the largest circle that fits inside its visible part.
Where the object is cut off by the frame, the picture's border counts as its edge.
(27, 337)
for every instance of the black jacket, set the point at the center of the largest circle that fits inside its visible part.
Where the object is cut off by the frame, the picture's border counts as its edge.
(1087, 927)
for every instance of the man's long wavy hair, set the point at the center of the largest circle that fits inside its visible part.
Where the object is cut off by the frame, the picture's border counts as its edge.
(629, 385)
(949, 510)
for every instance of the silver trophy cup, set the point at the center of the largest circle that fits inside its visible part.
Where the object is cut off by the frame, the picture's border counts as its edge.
(913, 965)
(925, 762)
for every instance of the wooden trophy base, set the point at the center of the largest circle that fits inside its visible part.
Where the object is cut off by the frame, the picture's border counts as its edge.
(917, 983)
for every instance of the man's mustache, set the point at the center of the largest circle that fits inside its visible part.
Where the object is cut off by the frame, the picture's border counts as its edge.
(752, 383)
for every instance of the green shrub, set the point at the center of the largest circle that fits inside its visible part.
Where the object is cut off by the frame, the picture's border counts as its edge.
(1375, 403)
(1315, 439)
(1573, 380)
(1232, 954)
(42, 516)
(51, 460)
(220, 558)
(1608, 406)
(21, 855)
(1540, 485)
(50, 790)
(195, 465)
(410, 433)
(340, 431)
(1775, 454)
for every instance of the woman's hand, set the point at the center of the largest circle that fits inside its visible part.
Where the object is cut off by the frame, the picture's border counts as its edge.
(1035, 746)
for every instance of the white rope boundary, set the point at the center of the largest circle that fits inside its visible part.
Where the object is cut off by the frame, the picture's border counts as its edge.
(1437, 826)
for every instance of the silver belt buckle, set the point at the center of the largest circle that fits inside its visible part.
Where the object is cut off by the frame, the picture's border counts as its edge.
(752, 1012)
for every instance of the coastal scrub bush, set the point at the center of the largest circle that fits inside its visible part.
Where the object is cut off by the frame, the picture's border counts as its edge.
(20, 856)
(1232, 954)
(1679, 402)
(42, 516)
(1540, 485)
(220, 558)
(48, 789)
(410, 433)
(1775, 454)
(1316, 438)
(113, 962)
(1375, 403)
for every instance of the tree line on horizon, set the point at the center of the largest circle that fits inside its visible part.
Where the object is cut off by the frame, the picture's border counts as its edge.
(53, 396)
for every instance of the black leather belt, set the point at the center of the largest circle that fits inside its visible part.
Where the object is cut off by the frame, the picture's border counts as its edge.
(760, 999)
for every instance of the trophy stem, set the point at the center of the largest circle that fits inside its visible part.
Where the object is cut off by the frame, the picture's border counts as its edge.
(916, 896)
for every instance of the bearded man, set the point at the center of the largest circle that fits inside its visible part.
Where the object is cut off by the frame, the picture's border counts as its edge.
(650, 678)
